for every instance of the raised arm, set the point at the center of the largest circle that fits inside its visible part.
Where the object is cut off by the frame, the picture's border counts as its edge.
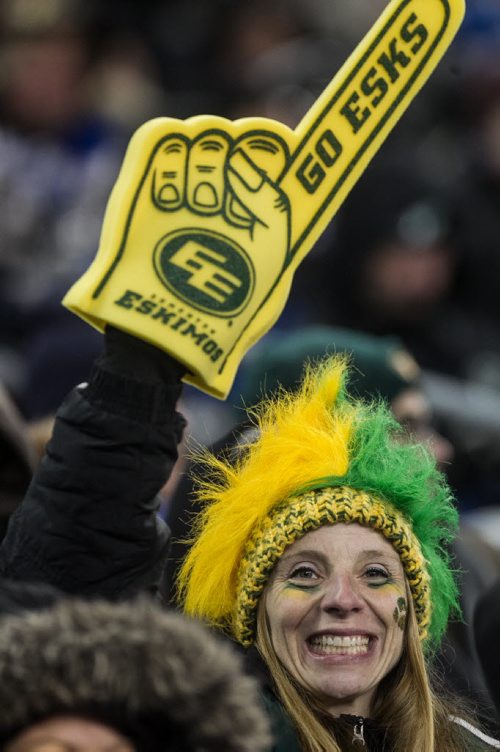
(89, 524)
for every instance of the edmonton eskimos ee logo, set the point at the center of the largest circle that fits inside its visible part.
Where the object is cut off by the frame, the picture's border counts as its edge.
(205, 269)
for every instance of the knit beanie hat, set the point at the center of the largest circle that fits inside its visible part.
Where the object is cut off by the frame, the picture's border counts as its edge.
(159, 679)
(322, 457)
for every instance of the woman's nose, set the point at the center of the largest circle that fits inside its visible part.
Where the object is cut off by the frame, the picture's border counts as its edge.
(341, 594)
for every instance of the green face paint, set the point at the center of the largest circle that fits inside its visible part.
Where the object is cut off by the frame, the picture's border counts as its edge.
(400, 612)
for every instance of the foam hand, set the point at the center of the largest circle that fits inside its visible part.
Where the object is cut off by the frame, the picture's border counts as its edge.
(210, 218)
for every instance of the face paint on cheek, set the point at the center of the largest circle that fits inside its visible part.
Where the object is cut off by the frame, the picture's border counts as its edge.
(298, 592)
(400, 612)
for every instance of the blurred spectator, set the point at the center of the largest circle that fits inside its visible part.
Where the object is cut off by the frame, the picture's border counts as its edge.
(382, 367)
(457, 662)
(252, 34)
(477, 224)
(86, 675)
(468, 413)
(127, 84)
(486, 629)
(57, 164)
(76, 82)
(184, 35)
(17, 458)
(392, 267)
(57, 158)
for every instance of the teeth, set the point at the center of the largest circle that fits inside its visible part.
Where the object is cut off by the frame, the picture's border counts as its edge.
(338, 641)
(336, 644)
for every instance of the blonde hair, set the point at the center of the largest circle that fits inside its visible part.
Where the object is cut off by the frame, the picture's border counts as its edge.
(417, 720)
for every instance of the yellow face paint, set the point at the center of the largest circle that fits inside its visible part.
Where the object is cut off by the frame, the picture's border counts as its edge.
(297, 593)
(395, 587)
(210, 218)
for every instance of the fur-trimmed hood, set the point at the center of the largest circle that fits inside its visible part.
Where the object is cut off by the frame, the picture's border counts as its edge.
(163, 681)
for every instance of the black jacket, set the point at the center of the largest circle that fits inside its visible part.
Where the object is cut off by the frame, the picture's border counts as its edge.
(88, 524)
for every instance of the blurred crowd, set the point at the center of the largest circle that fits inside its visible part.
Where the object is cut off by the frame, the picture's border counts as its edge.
(413, 255)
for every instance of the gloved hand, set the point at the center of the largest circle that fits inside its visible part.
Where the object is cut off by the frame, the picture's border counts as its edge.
(210, 218)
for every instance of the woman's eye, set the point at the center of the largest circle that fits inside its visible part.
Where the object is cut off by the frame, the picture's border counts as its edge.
(376, 575)
(303, 573)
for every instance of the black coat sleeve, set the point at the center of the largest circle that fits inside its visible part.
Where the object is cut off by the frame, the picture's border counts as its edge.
(88, 524)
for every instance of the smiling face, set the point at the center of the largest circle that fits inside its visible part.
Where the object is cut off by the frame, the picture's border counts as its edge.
(336, 608)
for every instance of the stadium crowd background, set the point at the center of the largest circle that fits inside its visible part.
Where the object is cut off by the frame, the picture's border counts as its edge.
(414, 252)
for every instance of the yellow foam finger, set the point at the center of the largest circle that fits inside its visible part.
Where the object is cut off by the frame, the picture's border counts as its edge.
(169, 174)
(205, 174)
(186, 280)
(346, 126)
(269, 153)
(209, 218)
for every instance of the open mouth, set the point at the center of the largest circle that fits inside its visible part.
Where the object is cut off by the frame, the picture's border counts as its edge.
(329, 644)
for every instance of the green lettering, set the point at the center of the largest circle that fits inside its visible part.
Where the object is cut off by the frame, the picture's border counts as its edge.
(353, 113)
(370, 86)
(197, 336)
(328, 148)
(209, 346)
(418, 32)
(128, 299)
(392, 59)
(310, 177)
(216, 354)
(179, 323)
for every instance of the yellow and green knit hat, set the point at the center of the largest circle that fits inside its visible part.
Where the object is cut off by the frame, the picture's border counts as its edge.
(321, 458)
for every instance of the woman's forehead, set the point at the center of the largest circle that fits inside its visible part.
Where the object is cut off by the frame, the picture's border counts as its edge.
(351, 540)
